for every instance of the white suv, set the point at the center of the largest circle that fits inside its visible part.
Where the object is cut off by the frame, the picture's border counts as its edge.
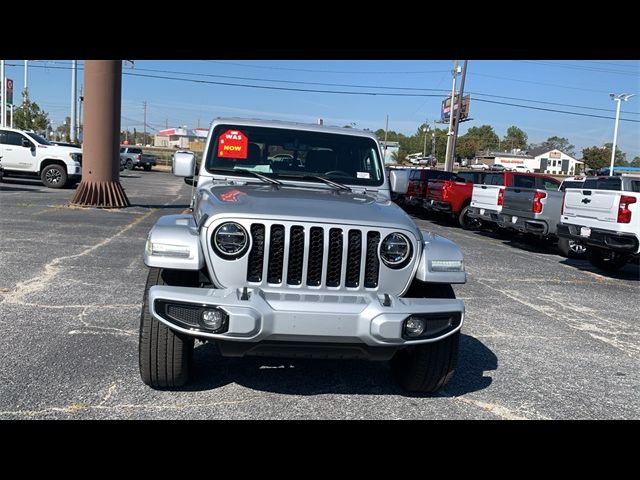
(27, 153)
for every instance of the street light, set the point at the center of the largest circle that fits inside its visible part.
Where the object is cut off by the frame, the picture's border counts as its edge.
(617, 98)
(425, 129)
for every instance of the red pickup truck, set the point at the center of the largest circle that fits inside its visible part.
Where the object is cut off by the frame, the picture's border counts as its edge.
(417, 187)
(454, 196)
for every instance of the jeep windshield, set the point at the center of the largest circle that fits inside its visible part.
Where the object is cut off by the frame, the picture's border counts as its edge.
(287, 154)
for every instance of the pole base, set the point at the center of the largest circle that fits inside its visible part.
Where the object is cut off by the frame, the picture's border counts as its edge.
(109, 194)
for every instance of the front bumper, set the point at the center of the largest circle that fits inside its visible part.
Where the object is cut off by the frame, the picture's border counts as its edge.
(272, 316)
(607, 239)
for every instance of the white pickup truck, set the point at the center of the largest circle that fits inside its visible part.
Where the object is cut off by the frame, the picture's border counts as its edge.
(604, 214)
(27, 153)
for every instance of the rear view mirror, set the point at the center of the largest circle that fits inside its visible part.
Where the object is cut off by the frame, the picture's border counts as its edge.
(399, 181)
(184, 164)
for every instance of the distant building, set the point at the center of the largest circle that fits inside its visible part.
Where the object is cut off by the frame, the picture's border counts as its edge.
(508, 159)
(390, 151)
(556, 162)
(180, 137)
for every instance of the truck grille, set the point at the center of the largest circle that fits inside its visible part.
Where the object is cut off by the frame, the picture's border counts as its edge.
(317, 256)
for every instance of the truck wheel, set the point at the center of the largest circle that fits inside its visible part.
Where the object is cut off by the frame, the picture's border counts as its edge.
(164, 355)
(428, 367)
(147, 168)
(54, 176)
(571, 248)
(466, 222)
(129, 164)
(606, 259)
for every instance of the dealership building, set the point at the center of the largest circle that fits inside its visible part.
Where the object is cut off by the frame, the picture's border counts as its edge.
(542, 160)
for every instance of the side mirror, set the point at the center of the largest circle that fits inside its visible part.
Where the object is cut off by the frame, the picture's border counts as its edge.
(190, 180)
(26, 143)
(184, 164)
(399, 181)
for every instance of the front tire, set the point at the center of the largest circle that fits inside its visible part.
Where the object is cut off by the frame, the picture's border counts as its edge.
(428, 367)
(165, 356)
(54, 176)
(607, 260)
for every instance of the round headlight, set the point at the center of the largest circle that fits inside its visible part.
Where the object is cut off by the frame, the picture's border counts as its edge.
(230, 240)
(395, 250)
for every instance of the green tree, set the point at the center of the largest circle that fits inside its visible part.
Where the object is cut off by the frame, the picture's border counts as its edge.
(635, 162)
(483, 137)
(515, 138)
(559, 143)
(598, 157)
(29, 116)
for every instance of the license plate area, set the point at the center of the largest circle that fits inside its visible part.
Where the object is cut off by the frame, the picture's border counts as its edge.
(585, 232)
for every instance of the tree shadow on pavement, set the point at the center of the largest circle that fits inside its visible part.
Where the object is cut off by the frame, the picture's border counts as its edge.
(316, 377)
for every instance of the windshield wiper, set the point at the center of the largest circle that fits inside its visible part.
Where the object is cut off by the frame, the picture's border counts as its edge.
(337, 185)
(264, 178)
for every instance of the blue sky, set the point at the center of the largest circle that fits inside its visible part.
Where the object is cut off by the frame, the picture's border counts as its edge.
(585, 83)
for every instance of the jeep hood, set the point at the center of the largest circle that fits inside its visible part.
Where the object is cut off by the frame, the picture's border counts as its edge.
(321, 205)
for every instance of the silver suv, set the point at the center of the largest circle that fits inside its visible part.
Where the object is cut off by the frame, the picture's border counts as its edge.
(303, 258)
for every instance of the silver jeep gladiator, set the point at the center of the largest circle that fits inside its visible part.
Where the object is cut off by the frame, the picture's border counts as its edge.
(301, 257)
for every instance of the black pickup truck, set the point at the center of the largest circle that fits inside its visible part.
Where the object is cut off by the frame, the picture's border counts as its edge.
(132, 157)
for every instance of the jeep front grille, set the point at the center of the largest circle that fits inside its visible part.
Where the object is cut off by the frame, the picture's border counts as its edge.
(314, 256)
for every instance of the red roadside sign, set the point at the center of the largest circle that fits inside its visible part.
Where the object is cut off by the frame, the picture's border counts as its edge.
(233, 144)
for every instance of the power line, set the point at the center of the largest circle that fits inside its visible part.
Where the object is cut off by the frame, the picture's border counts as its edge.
(267, 87)
(376, 87)
(552, 110)
(323, 71)
(578, 67)
(338, 92)
(549, 103)
(569, 87)
(613, 63)
(369, 93)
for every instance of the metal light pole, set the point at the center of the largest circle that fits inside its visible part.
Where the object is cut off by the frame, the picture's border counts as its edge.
(425, 129)
(74, 93)
(3, 94)
(623, 97)
(26, 77)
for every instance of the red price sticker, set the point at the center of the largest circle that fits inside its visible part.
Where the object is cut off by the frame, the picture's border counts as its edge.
(233, 144)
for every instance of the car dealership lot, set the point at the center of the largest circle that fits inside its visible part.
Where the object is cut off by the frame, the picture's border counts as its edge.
(544, 337)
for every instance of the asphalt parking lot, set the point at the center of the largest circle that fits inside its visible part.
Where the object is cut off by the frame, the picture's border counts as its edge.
(544, 337)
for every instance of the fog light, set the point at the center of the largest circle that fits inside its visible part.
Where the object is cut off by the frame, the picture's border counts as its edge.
(414, 326)
(212, 319)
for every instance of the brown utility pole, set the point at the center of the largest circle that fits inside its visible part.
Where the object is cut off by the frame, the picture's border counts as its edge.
(100, 185)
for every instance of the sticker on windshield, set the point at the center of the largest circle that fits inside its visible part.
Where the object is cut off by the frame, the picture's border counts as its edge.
(363, 175)
(233, 144)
